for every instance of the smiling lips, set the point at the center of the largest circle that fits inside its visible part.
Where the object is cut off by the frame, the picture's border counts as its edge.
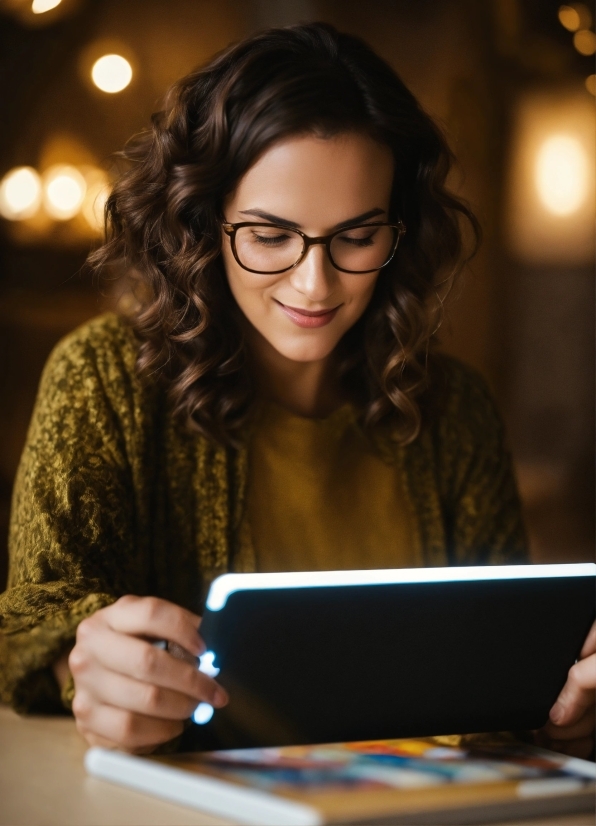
(308, 318)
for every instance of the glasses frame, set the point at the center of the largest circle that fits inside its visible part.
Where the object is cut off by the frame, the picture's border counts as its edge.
(308, 241)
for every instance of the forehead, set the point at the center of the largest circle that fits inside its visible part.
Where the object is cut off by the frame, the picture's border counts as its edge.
(317, 182)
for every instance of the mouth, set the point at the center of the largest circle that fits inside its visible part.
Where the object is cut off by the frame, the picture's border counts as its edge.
(308, 318)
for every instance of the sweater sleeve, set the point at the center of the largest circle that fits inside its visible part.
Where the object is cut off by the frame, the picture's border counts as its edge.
(482, 509)
(71, 539)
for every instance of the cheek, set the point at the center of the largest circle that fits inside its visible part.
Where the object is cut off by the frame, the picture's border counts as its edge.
(359, 292)
(247, 288)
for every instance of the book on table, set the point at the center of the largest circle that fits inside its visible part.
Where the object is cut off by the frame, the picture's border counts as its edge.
(416, 781)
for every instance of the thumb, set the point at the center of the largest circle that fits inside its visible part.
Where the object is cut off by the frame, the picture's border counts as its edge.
(577, 694)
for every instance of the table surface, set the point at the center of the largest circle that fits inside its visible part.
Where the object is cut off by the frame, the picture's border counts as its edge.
(43, 783)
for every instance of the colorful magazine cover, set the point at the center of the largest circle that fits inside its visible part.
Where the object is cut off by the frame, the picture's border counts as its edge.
(395, 764)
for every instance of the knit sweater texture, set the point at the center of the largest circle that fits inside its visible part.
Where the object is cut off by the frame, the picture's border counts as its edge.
(116, 496)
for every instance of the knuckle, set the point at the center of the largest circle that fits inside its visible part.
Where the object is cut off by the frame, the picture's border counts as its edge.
(85, 629)
(77, 660)
(151, 698)
(152, 609)
(126, 600)
(573, 676)
(81, 706)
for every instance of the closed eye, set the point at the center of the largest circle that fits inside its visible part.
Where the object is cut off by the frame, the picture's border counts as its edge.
(358, 242)
(270, 240)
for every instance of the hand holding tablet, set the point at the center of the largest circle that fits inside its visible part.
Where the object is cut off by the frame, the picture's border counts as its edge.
(570, 728)
(129, 693)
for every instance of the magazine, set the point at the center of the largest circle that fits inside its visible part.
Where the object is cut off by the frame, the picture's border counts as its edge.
(431, 780)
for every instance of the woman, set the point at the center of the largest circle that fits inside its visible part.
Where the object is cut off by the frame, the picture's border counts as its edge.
(274, 402)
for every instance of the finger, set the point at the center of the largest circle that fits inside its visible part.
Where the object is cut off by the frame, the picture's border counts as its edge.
(125, 728)
(156, 618)
(142, 661)
(574, 748)
(95, 740)
(589, 647)
(577, 693)
(584, 727)
(143, 698)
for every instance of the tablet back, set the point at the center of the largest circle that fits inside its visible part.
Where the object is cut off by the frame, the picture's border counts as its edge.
(358, 655)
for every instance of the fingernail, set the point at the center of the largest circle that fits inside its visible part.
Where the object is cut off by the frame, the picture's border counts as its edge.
(557, 712)
(220, 698)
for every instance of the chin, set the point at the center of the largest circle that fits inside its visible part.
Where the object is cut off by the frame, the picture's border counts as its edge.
(305, 350)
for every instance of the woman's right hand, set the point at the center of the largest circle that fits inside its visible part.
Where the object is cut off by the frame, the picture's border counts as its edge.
(130, 694)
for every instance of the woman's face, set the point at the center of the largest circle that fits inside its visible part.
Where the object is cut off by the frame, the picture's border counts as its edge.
(316, 185)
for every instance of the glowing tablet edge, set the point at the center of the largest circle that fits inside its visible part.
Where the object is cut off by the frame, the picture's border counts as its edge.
(227, 584)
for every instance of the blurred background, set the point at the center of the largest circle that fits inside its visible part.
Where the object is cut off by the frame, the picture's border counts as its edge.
(511, 82)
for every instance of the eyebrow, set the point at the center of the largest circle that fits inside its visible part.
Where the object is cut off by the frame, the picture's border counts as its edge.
(275, 219)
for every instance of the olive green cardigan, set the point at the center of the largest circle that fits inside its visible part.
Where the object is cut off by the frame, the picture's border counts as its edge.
(114, 496)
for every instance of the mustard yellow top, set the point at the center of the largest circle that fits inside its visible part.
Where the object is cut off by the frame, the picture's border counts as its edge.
(321, 497)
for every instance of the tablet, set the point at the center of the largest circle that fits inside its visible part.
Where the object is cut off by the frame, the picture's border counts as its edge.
(328, 656)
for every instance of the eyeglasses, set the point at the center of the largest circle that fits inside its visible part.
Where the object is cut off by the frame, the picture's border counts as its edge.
(269, 249)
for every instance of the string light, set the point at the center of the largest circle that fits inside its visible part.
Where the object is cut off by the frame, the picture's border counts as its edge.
(585, 42)
(569, 18)
(575, 16)
(20, 193)
(41, 6)
(64, 191)
(111, 73)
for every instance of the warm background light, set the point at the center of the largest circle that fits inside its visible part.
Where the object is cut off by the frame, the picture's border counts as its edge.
(575, 16)
(569, 18)
(95, 198)
(20, 193)
(585, 42)
(561, 170)
(41, 6)
(64, 191)
(591, 84)
(550, 210)
(111, 73)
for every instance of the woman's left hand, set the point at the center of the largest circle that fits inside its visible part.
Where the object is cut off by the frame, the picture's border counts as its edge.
(570, 728)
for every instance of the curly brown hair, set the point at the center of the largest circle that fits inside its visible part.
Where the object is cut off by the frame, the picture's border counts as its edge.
(163, 222)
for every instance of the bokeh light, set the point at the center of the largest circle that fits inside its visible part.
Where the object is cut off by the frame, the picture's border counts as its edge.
(569, 18)
(585, 42)
(41, 6)
(561, 172)
(20, 193)
(111, 73)
(574, 16)
(591, 84)
(64, 191)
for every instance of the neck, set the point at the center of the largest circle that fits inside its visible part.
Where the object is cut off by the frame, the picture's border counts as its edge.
(305, 388)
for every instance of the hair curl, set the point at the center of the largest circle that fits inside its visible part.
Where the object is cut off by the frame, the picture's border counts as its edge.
(163, 222)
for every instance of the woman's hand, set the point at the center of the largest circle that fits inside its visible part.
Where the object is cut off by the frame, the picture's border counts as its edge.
(128, 693)
(571, 726)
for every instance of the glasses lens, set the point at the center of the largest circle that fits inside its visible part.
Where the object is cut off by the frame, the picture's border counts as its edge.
(361, 249)
(268, 249)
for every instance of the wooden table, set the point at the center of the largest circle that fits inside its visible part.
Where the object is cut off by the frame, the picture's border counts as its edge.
(43, 783)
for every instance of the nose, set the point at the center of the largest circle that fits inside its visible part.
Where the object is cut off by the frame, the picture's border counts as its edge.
(315, 276)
